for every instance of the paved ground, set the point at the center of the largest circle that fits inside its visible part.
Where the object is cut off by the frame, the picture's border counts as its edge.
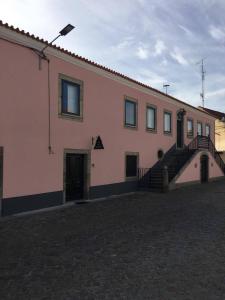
(142, 246)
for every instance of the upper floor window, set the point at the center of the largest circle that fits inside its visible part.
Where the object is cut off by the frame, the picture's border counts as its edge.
(199, 128)
(167, 122)
(151, 118)
(130, 113)
(190, 128)
(71, 100)
(207, 130)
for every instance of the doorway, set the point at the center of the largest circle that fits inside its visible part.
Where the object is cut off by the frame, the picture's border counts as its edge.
(204, 162)
(180, 133)
(75, 176)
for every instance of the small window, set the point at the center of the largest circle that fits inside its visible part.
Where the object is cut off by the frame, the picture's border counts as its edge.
(190, 128)
(130, 113)
(199, 128)
(167, 122)
(207, 130)
(70, 98)
(151, 118)
(131, 165)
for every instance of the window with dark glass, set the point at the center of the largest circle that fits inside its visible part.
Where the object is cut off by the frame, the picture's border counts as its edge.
(130, 113)
(131, 165)
(151, 118)
(199, 128)
(207, 130)
(167, 122)
(70, 98)
(190, 128)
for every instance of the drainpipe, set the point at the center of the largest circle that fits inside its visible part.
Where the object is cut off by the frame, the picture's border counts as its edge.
(50, 151)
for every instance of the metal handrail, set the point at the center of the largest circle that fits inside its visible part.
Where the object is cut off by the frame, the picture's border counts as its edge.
(205, 142)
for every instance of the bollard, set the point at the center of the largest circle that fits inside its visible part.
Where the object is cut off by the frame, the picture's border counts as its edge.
(165, 179)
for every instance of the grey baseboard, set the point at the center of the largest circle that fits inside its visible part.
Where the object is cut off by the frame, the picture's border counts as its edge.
(20, 204)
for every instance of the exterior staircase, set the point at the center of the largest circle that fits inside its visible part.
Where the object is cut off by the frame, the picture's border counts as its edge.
(159, 177)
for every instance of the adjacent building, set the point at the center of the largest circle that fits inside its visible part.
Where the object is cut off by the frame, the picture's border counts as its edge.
(219, 129)
(71, 129)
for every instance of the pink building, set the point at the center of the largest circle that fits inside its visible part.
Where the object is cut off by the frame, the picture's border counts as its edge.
(71, 129)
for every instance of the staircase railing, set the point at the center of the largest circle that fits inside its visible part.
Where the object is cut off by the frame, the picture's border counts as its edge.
(204, 142)
(198, 143)
(216, 155)
(144, 177)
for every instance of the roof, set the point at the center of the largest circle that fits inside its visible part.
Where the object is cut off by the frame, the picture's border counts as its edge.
(32, 36)
(217, 114)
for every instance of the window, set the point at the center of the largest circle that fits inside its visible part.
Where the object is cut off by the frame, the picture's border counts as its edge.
(190, 128)
(131, 165)
(207, 130)
(151, 118)
(130, 113)
(71, 97)
(199, 128)
(167, 122)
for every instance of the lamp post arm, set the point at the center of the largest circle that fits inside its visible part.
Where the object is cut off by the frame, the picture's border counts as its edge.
(50, 43)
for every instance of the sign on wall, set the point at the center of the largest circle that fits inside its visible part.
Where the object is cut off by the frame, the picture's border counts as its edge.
(98, 143)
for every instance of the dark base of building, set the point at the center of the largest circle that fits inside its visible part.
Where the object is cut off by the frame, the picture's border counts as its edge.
(107, 190)
(16, 205)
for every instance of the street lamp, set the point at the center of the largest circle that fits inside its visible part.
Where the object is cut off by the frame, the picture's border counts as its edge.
(63, 32)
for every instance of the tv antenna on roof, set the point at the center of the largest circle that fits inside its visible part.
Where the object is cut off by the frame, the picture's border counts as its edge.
(166, 85)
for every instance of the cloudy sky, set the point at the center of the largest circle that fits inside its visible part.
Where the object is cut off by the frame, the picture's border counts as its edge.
(153, 41)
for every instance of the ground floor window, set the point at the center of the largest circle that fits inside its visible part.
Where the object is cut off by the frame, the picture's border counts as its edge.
(131, 165)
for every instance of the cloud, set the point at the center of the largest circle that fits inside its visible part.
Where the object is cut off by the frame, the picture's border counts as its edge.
(142, 52)
(178, 56)
(164, 62)
(159, 48)
(217, 33)
(151, 78)
(126, 42)
(216, 93)
(186, 30)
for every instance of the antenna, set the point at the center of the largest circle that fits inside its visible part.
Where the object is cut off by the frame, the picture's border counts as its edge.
(166, 86)
(202, 94)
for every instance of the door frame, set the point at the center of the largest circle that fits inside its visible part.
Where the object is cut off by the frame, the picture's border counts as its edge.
(206, 155)
(87, 170)
(1, 178)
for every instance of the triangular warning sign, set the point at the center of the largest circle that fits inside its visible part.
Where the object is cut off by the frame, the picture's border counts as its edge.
(98, 143)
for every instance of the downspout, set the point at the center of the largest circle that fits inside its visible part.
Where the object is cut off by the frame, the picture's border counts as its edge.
(50, 151)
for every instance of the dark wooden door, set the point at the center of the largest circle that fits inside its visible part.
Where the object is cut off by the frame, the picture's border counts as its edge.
(204, 168)
(74, 176)
(180, 137)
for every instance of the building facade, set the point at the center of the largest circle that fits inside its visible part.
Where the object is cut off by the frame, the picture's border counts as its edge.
(71, 129)
(219, 130)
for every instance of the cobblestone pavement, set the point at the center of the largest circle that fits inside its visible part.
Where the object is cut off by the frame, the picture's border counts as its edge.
(141, 246)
